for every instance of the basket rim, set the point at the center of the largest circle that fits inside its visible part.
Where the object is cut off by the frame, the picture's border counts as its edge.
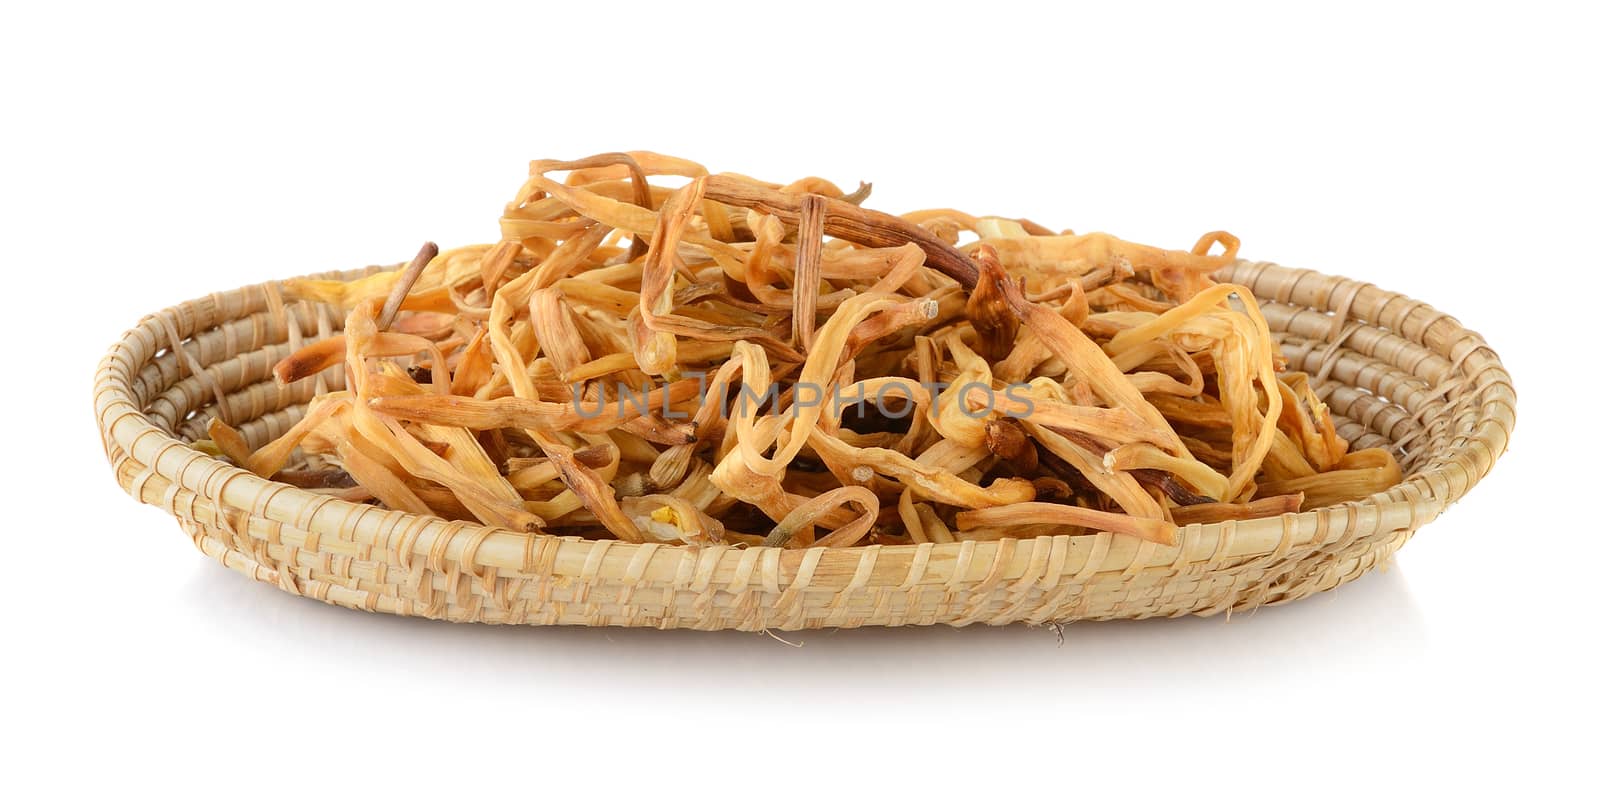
(160, 462)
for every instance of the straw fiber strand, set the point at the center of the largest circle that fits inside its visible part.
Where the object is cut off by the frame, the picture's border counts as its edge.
(1397, 373)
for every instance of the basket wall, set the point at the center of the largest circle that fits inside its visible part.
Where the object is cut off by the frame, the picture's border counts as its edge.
(1395, 371)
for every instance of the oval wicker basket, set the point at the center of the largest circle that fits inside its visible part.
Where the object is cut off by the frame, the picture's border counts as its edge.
(1395, 371)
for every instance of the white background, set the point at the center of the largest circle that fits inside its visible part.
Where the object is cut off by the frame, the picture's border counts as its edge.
(154, 155)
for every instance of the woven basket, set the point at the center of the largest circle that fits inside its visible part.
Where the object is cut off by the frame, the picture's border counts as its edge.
(1395, 371)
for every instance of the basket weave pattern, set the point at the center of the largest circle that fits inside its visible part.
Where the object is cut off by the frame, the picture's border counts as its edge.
(1395, 371)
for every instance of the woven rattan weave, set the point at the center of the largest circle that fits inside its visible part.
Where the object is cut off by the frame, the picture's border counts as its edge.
(1397, 373)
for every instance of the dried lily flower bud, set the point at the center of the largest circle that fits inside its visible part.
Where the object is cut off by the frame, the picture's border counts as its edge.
(735, 360)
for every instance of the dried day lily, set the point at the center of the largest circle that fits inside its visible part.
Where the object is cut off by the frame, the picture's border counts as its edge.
(736, 361)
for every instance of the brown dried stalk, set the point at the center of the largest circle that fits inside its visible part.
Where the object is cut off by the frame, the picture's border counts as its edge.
(402, 287)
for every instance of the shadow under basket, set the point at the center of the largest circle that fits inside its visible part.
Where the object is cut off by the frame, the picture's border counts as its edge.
(1395, 371)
